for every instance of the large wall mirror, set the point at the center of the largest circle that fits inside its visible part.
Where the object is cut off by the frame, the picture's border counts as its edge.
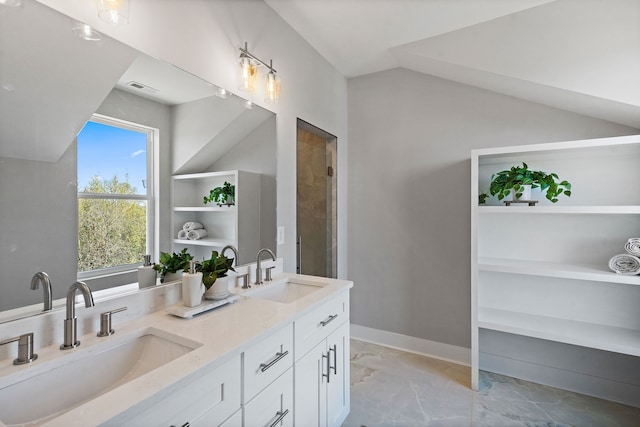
(52, 81)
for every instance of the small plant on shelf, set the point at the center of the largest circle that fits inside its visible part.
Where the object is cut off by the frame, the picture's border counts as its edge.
(224, 195)
(173, 263)
(213, 268)
(512, 181)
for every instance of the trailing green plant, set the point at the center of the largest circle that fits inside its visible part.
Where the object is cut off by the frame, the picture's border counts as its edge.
(216, 266)
(221, 195)
(518, 176)
(172, 263)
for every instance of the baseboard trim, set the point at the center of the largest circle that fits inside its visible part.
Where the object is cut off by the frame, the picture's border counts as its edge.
(434, 349)
(602, 388)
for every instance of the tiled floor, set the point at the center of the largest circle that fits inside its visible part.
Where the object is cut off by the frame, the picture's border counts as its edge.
(394, 388)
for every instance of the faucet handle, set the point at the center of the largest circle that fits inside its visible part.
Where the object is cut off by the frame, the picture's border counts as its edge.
(245, 278)
(268, 278)
(105, 322)
(25, 348)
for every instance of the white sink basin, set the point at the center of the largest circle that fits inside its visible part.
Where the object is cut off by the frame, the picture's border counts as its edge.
(65, 383)
(286, 291)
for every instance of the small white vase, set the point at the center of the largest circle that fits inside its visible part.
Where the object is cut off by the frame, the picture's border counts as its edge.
(192, 289)
(526, 193)
(219, 290)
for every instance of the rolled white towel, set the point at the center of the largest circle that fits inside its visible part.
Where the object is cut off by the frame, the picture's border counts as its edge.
(633, 246)
(625, 264)
(183, 234)
(192, 225)
(197, 234)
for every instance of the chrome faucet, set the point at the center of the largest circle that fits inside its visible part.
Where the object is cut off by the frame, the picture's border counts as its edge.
(235, 253)
(259, 268)
(71, 322)
(46, 288)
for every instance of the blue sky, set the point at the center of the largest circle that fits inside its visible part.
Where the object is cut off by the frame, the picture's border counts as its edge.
(106, 151)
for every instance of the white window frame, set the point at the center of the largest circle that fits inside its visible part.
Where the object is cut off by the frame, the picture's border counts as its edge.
(150, 197)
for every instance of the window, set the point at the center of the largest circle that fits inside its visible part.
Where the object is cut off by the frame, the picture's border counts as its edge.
(115, 196)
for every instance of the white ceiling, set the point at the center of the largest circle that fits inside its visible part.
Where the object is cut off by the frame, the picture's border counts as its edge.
(578, 55)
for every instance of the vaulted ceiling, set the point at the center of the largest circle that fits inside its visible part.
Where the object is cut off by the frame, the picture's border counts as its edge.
(578, 55)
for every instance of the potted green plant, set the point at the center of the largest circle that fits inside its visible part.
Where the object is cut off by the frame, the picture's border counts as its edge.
(171, 266)
(514, 182)
(224, 195)
(214, 275)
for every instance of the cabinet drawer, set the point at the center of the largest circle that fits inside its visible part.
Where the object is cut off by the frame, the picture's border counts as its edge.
(274, 406)
(313, 327)
(215, 391)
(212, 419)
(267, 360)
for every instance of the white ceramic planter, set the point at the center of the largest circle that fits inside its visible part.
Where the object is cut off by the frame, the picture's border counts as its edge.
(172, 277)
(526, 193)
(219, 290)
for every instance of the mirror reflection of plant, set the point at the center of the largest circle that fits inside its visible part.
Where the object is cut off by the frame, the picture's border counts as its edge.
(172, 263)
(518, 176)
(221, 195)
(213, 268)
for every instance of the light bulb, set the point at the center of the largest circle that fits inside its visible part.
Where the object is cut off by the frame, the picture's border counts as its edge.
(272, 88)
(115, 12)
(248, 74)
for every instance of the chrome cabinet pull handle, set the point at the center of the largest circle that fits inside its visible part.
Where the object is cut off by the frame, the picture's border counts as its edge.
(335, 359)
(280, 416)
(328, 374)
(279, 356)
(328, 320)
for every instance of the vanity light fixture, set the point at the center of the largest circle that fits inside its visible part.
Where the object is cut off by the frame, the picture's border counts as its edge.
(85, 32)
(115, 12)
(249, 64)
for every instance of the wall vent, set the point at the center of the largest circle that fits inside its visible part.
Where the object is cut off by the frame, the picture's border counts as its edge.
(142, 87)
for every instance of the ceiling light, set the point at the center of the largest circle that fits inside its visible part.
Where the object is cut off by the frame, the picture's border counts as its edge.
(222, 93)
(85, 32)
(115, 12)
(248, 105)
(12, 3)
(249, 72)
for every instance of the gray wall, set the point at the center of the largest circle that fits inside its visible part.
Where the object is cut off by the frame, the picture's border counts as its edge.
(257, 153)
(410, 137)
(38, 227)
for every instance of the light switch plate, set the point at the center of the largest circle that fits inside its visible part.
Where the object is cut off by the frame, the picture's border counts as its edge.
(280, 239)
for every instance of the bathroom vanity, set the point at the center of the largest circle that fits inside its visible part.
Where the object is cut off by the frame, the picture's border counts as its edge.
(245, 363)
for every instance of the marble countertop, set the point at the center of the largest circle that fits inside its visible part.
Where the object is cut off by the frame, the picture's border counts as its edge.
(224, 333)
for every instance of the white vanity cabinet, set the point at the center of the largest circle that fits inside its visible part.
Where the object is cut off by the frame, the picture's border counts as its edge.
(267, 360)
(274, 405)
(545, 305)
(321, 369)
(213, 396)
(236, 225)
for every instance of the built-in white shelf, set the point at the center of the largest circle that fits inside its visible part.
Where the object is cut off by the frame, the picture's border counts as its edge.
(559, 210)
(593, 272)
(592, 335)
(204, 209)
(520, 290)
(237, 225)
(214, 242)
